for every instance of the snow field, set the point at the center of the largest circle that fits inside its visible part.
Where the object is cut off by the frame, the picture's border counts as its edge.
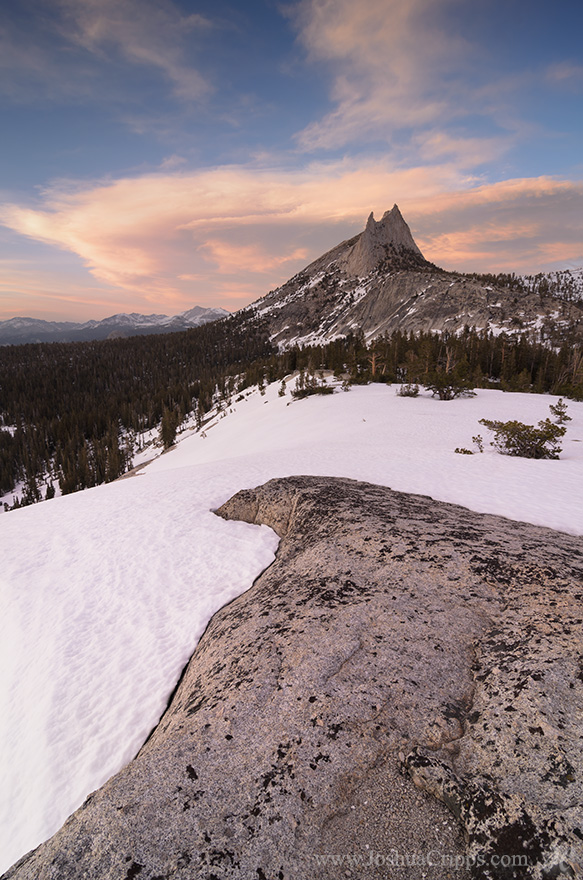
(372, 434)
(105, 593)
(104, 596)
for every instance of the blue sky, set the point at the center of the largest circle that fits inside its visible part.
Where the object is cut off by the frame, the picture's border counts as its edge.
(159, 154)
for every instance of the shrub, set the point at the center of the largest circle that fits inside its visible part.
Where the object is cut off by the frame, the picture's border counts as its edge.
(559, 411)
(299, 393)
(308, 385)
(526, 441)
(448, 386)
(479, 442)
(408, 390)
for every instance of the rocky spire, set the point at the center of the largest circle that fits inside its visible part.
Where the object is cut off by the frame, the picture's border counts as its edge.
(384, 240)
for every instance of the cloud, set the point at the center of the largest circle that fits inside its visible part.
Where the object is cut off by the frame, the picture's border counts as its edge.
(145, 32)
(226, 235)
(133, 231)
(53, 294)
(71, 49)
(566, 72)
(416, 79)
(236, 258)
(395, 66)
(467, 152)
(524, 225)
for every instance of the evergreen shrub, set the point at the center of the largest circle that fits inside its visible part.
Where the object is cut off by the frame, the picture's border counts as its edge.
(448, 386)
(408, 390)
(526, 441)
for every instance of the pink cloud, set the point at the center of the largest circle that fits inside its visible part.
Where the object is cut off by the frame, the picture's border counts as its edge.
(144, 233)
(385, 58)
(524, 225)
(27, 290)
(468, 152)
(566, 72)
(232, 258)
(227, 235)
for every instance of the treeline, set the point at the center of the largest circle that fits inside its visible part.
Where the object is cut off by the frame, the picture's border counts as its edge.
(562, 285)
(74, 413)
(483, 360)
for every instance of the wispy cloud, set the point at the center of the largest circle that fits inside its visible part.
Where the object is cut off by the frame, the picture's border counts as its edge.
(405, 75)
(566, 72)
(524, 225)
(47, 293)
(145, 32)
(227, 235)
(394, 65)
(467, 152)
(66, 49)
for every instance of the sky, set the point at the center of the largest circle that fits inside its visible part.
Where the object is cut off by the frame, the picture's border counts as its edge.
(161, 154)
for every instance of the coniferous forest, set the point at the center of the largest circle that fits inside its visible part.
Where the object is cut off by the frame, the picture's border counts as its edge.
(75, 411)
(72, 415)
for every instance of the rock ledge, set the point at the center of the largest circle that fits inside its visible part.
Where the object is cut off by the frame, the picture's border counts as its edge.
(399, 694)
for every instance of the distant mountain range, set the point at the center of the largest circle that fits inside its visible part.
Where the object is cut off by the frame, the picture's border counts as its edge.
(379, 282)
(17, 331)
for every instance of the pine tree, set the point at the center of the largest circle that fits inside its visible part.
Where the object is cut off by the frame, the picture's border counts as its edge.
(168, 428)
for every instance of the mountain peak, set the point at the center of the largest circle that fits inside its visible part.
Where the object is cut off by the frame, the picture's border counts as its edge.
(385, 240)
(17, 331)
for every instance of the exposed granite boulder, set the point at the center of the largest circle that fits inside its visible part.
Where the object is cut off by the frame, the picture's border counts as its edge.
(395, 642)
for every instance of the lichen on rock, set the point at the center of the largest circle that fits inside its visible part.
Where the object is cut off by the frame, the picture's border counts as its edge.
(400, 692)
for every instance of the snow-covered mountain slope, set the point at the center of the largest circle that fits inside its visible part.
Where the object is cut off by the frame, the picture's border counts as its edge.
(17, 331)
(566, 283)
(105, 593)
(379, 282)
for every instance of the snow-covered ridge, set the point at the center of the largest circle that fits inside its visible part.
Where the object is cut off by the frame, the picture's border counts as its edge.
(566, 284)
(21, 330)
